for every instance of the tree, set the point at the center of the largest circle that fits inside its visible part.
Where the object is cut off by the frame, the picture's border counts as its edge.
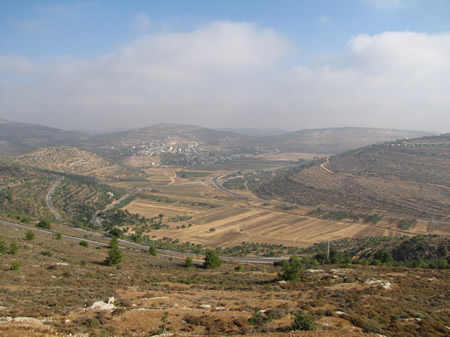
(291, 269)
(115, 254)
(212, 260)
(303, 322)
(44, 224)
(188, 262)
(13, 248)
(29, 235)
(153, 251)
(2, 246)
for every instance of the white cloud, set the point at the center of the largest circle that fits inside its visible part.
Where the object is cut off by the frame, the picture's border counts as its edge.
(232, 74)
(324, 19)
(141, 22)
(15, 65)
(387, 4)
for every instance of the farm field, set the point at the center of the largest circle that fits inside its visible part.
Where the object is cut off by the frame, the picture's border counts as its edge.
(225, 220)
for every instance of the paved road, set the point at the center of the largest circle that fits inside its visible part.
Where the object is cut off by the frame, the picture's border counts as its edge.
(48, 199)
(124, 243)
(215, 182)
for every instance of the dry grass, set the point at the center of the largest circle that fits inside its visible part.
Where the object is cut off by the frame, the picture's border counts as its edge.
(52, 296)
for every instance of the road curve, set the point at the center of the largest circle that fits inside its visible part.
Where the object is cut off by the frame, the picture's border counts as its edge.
(326, 169)
(48, 199)
(215, 182)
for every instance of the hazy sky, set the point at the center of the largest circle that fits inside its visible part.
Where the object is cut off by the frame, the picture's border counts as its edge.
(287, 64)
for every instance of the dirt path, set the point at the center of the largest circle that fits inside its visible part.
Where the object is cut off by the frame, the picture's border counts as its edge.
(172, 178)
(326, 169)
(48, 199)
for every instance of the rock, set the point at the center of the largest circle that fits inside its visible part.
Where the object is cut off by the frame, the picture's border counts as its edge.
(282, 282)
(110, 300)
(102, 305)
(205, 306)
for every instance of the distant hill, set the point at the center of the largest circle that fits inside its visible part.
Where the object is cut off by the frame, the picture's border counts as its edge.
(407, 178)
(334, 140)
(179, 134)
(16, 138)
(256, 132)
(72, 160)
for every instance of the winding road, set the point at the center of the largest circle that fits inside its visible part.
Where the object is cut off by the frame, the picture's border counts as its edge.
(326, 169)
(48, 199)
(215, 182)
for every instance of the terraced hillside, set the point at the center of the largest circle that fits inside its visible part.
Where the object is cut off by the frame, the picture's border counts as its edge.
(73, 160)
(408, 178)
(23, 192)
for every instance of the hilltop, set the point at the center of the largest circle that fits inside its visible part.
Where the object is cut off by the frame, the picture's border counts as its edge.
(406, 178)
(72, 160)
(191, 145)
(17, 138)
(334, 140)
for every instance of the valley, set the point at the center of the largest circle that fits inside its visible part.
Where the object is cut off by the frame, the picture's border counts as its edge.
(255, 207)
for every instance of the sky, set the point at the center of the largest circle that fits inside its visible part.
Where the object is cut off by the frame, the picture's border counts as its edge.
(286, 64)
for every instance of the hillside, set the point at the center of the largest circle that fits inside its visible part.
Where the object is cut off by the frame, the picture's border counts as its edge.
(334, 140)
(406, 178)
(23, 192)
(73, 160)
(56, 287)
(17, 138)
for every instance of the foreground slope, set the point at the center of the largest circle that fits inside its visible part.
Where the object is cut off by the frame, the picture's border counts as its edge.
(55, 285)
(407, 178)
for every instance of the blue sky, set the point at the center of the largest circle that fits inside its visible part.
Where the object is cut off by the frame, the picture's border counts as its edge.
(42, 29)
(288, 47)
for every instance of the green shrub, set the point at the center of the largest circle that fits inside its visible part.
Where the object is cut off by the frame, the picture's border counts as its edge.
(14, 265)
(239, 268)
(44, 224)
(58, 236)
(259, 318)
(13, 248)
(83, 243)
(115, 254)
(212, 260)
(46, 253)
(370, 325)
(2, 246)
(291, 269)
(29, 235)
(303, 322)
(188, 262)
(153, 251)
